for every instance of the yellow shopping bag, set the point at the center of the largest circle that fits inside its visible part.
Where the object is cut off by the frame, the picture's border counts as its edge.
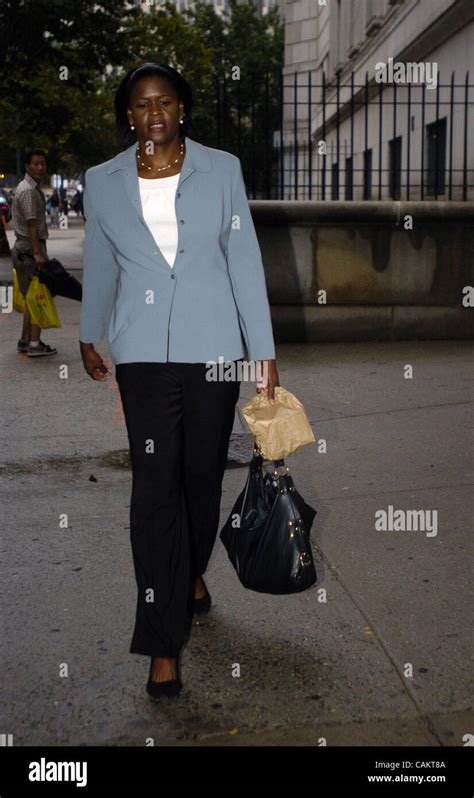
(41, 305)
(18, 298)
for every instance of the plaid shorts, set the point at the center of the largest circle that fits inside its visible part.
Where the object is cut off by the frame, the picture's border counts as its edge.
(26, 266)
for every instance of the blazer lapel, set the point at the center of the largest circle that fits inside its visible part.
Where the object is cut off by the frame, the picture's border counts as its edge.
(196, 158)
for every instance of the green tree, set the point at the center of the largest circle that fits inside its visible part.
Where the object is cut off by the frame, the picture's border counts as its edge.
(61, 63)
(53, 56)
(245, 107)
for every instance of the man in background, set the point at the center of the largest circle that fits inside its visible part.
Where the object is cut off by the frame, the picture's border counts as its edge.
(29, 250)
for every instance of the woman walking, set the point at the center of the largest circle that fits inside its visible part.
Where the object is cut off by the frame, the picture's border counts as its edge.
(173, 278)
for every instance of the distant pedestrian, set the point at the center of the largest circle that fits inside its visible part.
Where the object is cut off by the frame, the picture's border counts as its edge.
(55, 203)
(29, 250)
(77, 204)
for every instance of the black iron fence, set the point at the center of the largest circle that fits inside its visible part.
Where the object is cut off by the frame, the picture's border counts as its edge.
(302, 139)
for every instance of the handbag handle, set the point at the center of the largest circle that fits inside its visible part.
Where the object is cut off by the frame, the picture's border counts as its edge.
(276, 463)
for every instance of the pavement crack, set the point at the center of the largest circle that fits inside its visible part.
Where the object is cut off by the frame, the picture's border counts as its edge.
(387, 411)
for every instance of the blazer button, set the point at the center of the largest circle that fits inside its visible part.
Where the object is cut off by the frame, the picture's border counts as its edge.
(173, 276)
(178, 195)
(181, 250)
(182, 221)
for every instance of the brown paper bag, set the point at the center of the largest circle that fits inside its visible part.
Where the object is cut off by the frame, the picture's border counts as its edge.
(278, 429)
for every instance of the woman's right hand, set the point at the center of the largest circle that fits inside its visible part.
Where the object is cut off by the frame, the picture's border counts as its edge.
(96, 367)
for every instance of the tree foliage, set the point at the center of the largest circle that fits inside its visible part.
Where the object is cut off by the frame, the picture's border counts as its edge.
(61, 62)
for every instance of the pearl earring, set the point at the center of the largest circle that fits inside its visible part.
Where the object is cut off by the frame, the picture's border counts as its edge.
(181, 121)
(132, 127)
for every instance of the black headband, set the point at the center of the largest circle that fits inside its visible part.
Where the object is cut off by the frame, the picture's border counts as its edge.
(143, 67)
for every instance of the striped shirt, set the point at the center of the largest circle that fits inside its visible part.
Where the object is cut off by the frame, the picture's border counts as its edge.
(29, 202)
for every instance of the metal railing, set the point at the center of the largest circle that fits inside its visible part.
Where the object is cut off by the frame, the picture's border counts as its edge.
(300, 139)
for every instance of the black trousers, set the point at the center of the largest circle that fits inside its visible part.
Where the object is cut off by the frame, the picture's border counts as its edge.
(179, 426)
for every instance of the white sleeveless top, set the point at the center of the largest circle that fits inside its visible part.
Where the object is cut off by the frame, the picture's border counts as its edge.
(158, 197)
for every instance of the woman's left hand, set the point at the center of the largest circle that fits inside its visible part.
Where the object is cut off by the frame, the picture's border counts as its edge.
(270, 371)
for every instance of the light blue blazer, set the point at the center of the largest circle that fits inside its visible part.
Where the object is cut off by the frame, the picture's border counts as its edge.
(196, 311)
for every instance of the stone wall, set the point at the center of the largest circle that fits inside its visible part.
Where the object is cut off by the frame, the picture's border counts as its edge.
(368, 270)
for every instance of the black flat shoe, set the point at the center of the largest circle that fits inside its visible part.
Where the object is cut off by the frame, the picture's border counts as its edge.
(202, 605)
(169, 687)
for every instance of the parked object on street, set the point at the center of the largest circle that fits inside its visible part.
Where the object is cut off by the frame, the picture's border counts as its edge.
(5, 209)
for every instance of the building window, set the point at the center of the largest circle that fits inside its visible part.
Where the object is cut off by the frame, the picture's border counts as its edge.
(395, 166)
(436, 146)
(374, 13)
(335, 181)
(349, 184)
(368, 174)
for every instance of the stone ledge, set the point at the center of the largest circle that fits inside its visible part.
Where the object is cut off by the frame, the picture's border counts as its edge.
(275, 212)
(302, 324)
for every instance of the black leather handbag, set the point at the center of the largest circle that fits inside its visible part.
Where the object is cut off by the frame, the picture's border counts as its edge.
(267, 534)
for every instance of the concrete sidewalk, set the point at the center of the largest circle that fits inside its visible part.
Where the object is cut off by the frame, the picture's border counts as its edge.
(310, 670)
